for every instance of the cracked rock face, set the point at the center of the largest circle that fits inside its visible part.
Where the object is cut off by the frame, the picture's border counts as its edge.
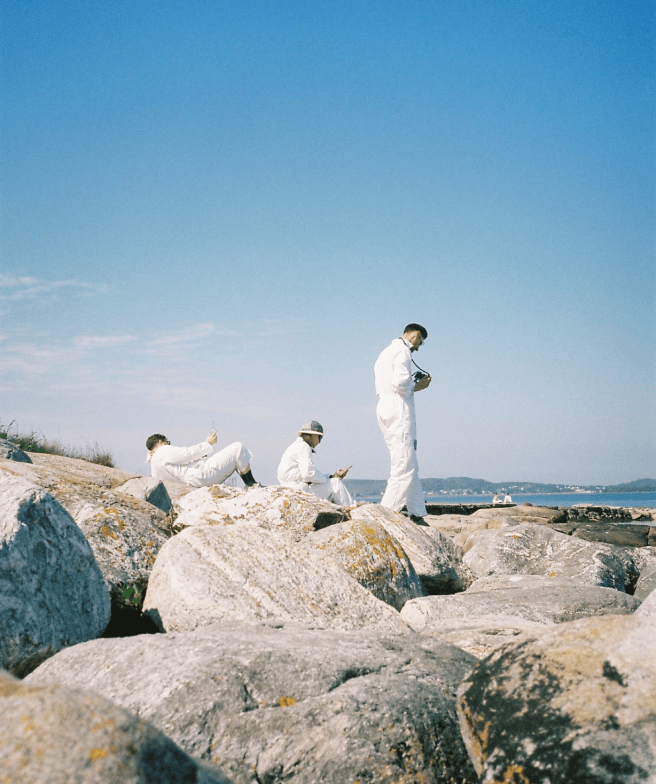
(287, 703)
(55, 735)
(212, 573)
(577, 703)
(52, 593)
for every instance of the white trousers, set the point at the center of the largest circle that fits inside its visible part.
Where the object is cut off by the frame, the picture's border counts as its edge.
(334, 490)
(219, 466)
(396, 419)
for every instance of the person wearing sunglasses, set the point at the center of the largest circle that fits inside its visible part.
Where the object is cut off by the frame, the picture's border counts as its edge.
(396, 384)
(196, 466)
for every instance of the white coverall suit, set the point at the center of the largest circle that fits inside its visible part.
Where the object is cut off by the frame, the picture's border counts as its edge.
(193, 466)
(297, 470)
(396, 418)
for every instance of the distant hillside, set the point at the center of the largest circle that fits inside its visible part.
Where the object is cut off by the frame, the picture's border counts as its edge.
(465, 485)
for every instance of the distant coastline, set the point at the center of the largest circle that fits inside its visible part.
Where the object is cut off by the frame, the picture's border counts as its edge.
(465, 486)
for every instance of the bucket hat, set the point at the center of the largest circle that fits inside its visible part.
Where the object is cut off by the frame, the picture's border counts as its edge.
(312, 428)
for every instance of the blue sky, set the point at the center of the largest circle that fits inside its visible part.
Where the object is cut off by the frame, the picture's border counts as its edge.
(217, 214)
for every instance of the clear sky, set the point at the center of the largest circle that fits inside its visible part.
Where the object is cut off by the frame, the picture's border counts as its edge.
(217, 214)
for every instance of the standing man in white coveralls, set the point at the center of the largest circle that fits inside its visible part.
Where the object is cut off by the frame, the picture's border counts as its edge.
(395, 388)
(297, 469)
(192, 465)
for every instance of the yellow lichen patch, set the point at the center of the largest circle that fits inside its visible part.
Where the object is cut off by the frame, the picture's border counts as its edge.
(8, 687)
(121, 525)
(552, 574)
(107, 531)
(514, 775)
(286, 702)
(96, 754)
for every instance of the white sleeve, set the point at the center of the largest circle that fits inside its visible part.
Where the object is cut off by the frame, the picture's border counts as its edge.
(402, 376)
(181, 455)
(309, 473)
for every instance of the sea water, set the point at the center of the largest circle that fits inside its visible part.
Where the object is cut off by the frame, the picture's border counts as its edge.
(547, 499)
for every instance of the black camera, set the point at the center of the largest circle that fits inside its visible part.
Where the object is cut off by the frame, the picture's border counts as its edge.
(419, 375)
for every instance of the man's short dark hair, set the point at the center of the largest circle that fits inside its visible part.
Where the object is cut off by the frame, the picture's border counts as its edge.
(152, 441)
(416, 328)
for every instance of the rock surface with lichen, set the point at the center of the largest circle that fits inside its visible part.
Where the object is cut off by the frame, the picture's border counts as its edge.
(366, 551)
(291, 513)
(210, 573)
(125, 533)
(56, 735)
(435, 557)
(52, 593)
(575, 703)
(284, 703)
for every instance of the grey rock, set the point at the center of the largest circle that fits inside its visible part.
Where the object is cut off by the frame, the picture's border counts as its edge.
(546, 604)
(286, 703)
(646, 584)
(648, 606)
(147, 488)
(125, 533)
(9, 451)
(375, 559)
(52, 593)
(290, 513)
(210, 573)
(434, 556)
(574, 704)
(55, 735)
(537, 549)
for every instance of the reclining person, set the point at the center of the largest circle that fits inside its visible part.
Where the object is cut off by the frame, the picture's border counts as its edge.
(192, 464)
(297, 469)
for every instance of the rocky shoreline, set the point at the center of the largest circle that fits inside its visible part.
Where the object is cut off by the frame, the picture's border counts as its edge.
(152, 633)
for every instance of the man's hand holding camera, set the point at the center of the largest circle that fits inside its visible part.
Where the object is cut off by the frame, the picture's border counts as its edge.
(422, 381)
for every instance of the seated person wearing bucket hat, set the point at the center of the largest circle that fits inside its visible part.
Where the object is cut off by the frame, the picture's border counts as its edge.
(297, 469)
(192, 465)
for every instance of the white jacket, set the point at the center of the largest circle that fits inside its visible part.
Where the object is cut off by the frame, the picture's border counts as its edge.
(178, 463)
(393, 370)
(296, 466)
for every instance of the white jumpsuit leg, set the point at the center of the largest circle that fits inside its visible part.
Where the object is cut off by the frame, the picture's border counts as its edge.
(217, 468)
(334, 490)
(396, 418)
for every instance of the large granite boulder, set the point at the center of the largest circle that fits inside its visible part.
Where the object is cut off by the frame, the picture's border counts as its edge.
(375, 559)
(9, 451)
(537, 549)
(549, 602)
(125, 533)
(575, 704)
(434, 556)
(55, 735)
(52, 593)
(274, 703)
(211, 573)
(288, 512)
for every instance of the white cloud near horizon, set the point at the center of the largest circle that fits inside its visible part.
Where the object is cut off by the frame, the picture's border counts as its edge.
(102, 341)
(17, 287)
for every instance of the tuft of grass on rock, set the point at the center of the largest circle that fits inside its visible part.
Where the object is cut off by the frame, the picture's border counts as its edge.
(35, 442)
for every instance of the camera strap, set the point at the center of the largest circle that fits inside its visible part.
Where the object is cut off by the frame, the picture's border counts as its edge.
(418, 368)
